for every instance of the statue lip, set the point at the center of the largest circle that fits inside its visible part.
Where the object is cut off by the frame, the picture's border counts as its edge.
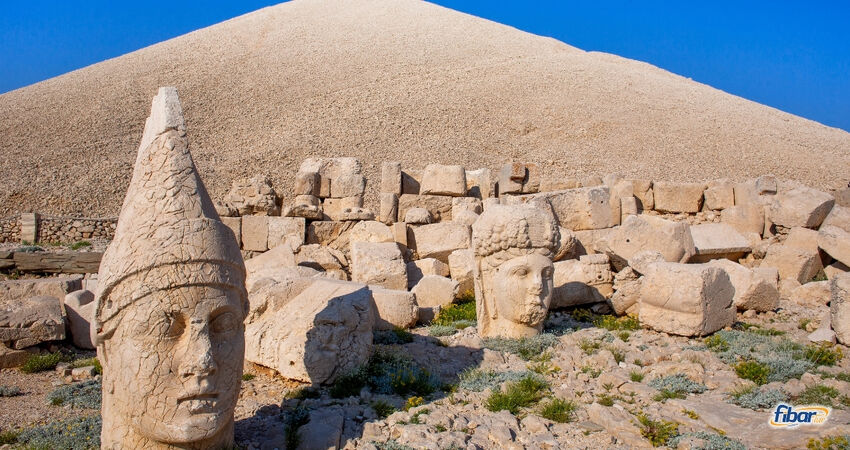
(199, 396)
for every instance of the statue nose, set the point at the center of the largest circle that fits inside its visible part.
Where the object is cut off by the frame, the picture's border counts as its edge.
(198, 358)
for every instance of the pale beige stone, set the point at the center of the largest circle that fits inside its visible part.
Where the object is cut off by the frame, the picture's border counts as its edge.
(306, 206)
(391, 177)
(418, 216)
(550, 184)
(839, 217)
(588, 242)
(388, 208)
(746, 218)
(585, 208)
(672, 239)
(394, 308)
(815, 293)
(628, 207)
(839, 307)
(330, 169)
(619, 189)
(253, 195)
(370, 231)
(79, 310)
(643, 192)
(766, 184)
(255, 233)
(439, 206)
(519, 178)
(306, 183)
(686, 299)
(801, 207)
(626, 291)
(287, 230)
(466, 204)
(438, 179)
(333, 234)
(410, 182)
(835, 269)
(171, 302)
(567, 246)
(719, 195)
(235, 225)
(716, 241)
(480, 183)
(578, 282)
(426, 266)
(513, 272)
(797, 258)
(29, 227)
(323, 332)
(348, 185)
(379, 264)
(835, 242)
(461, 265)
(465, 218)
(642, 260)
(432, 293)
(439, 240)
(755, 289)
(678, 197)
(400, 233)
(13, 290)
(29, 321)
(268, 264)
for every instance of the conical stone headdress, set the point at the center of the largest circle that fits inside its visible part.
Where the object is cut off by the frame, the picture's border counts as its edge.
(168, 233)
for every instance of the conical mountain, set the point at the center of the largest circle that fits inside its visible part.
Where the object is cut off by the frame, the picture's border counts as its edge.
(389, 80)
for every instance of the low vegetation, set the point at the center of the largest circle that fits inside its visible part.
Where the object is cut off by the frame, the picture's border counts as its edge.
(80, 244)
(295, 418)
(710, 441)
(755, 398)
(478, 380)
(396, 336)
(78, 433)
(658, 432)
(41, 363)
(830, 443)
(9, 391)
(85, 394)
(383, 409)
(820, 394)
(526, 348)
(558, 410)
(518, 394)
(386, 373)
(676, 386)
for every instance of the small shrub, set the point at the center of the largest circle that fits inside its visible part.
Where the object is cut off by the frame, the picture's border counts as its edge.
(636, 376)
(478, 380)
(41, 363)
(783, 358)
(658, 432)
(754, 398)
(396, 336)
(389, 373)
(830, 443)
(691, 414)
(716, 343)
(823, 354)
(441, 330)
(9, 391)
(79, 433)
(98, 369)
(710, 441)
(80, 244)
(295, 418)
(753, 371)
(304, 392)
(391, 444)
(248, 376)
(803, 323)
(348, 385)
(462, 310)
(593, 372)
(820, 394)
(526, 348)
(415, 418)
(85, 394)
(588, 347)
(619, 355)
(413, 402)
(614, 323)
(558, 410)
(518, 394)
(624, 336)
(676, 386)
(383, 409)
(440, 428)
(605, 400)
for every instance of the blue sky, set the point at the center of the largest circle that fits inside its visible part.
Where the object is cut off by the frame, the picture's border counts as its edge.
(794, 56)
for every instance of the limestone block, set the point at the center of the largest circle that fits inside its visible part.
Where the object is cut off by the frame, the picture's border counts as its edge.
(642, 260)
(438, 179)
(306, 183)
(461, 264)
(388, 208)
(439, 240)
(626, 291)
(801, 207)
(422, 267)
(468, 204)
(567, 246)
(672, 239)
(322, 258)
(253, 195)
(766, 184)
(14, 290)
(835, 269)
(391, 177)
(10, 358)
(587, 241)
(410, 182)
(687, 299)
(716, 241)
(550, 184)
(591, 181)
(338, 209)
(480, 183)
(400, 232)
(434, 291)
(842, 197)
(29, 321)
(839, 217)
(269, 264)
(519, 178)
(619, 189)
(793, 263)
(394, 308)
(235, 225)
(678, 197)
(287, 230)
(755, 289)
(79, 309)
(29, 227)
(836, 242)
(465, 218)
(578, 282)
(320, 334)
(643, 192)
(576, 209)
(815, 293)
(58, 262)
(824, 332)
(306, 206)
(839, 307)
(331, 234)
(356, 213)
(370, 231)
(418, 216)
(719, 195)
(378, 264)
(255, 233)
(330, 169)
(628, 207)
(348, 185)
(439, 206)
(746, 218)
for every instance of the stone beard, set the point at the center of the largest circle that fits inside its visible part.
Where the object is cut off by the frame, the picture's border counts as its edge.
(513, 271)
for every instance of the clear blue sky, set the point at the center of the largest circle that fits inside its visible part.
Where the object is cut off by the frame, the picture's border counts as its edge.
(794, 56)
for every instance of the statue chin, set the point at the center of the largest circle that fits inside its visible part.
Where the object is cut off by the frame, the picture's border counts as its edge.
(195, 428)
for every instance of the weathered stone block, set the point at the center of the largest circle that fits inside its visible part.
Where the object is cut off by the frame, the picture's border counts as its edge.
(461, 265)
(235, 225)
(839, 217)
(433, 292)
(756, 289)
(378, 264)
(370, 231)
(839, 307)
(716, 241)
(330, 234)
(391, 177)
(388, 208)
(30, 321)
(394, 308)
(719, 195)
(255, 233)
(438, 179)
(439, 206)
(578, 282)
(672, 239)
(423, 267)
(643, 192)
(836, 242)
(439, 240)
(289, 230)
(793, 262)
(480, 183)
(801, 207)
(79, 309)
(519, 178)
(348, 185)
(307, 183)
(678, 197)
(746, 218)
(576, 209)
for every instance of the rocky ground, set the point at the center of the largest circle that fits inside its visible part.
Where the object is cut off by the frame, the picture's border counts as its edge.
(591, 381)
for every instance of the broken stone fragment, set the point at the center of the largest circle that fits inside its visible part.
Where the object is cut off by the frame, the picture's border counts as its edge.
(438, 179)
(253, 195)
(79, 308)
(718, 241)
(578, 282)
(839, 307)
(639, 233)
(801, 207)
(29, 321)
(379, 264)
(755, 289)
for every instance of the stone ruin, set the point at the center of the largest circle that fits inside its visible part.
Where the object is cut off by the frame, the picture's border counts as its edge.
(323, 271)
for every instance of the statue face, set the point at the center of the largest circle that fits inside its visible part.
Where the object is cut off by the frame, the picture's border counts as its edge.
(523, 289)
(176, 362)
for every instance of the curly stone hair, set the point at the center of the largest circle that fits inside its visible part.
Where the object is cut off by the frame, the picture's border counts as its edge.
(506, 233)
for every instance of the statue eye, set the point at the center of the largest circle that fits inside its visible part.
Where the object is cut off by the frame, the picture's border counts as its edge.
(171, 326)
(223, 323)
(521, 271)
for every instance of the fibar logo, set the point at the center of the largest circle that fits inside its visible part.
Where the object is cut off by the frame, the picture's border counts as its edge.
(787, 416)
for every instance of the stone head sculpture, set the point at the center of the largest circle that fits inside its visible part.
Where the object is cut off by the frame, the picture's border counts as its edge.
(171, 303)
(513, 269)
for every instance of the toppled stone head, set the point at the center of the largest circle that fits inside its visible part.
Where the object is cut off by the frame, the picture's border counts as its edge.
(169, 315)
(513, 269)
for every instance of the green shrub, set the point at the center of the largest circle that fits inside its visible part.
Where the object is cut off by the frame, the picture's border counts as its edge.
(710, 441)
(98, 369)
(558, 410)
(389, 373)
(391, 444)
(80, 244)
(248, 376)
(614, 323)
(526, 348)
(592, 371)
(588, 347)
(605, 400)
(41, 363)
(413, 402)
(462, 310)
(820, 394)
(803, 323)
(636, 376)
(619, 355)
(441, 330)
(830, 443)
(823, 354)
(78, 433)
(659, 432)
(624, 336)
(783, 358)
(305, 392)
(9, 391)
(9, 437)
(753, 371)
(85, 394)
(754, 398)
(518, 394)
(414, 419)
(676, 386)
(396, 336)
(474, 379)
(383, 409)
